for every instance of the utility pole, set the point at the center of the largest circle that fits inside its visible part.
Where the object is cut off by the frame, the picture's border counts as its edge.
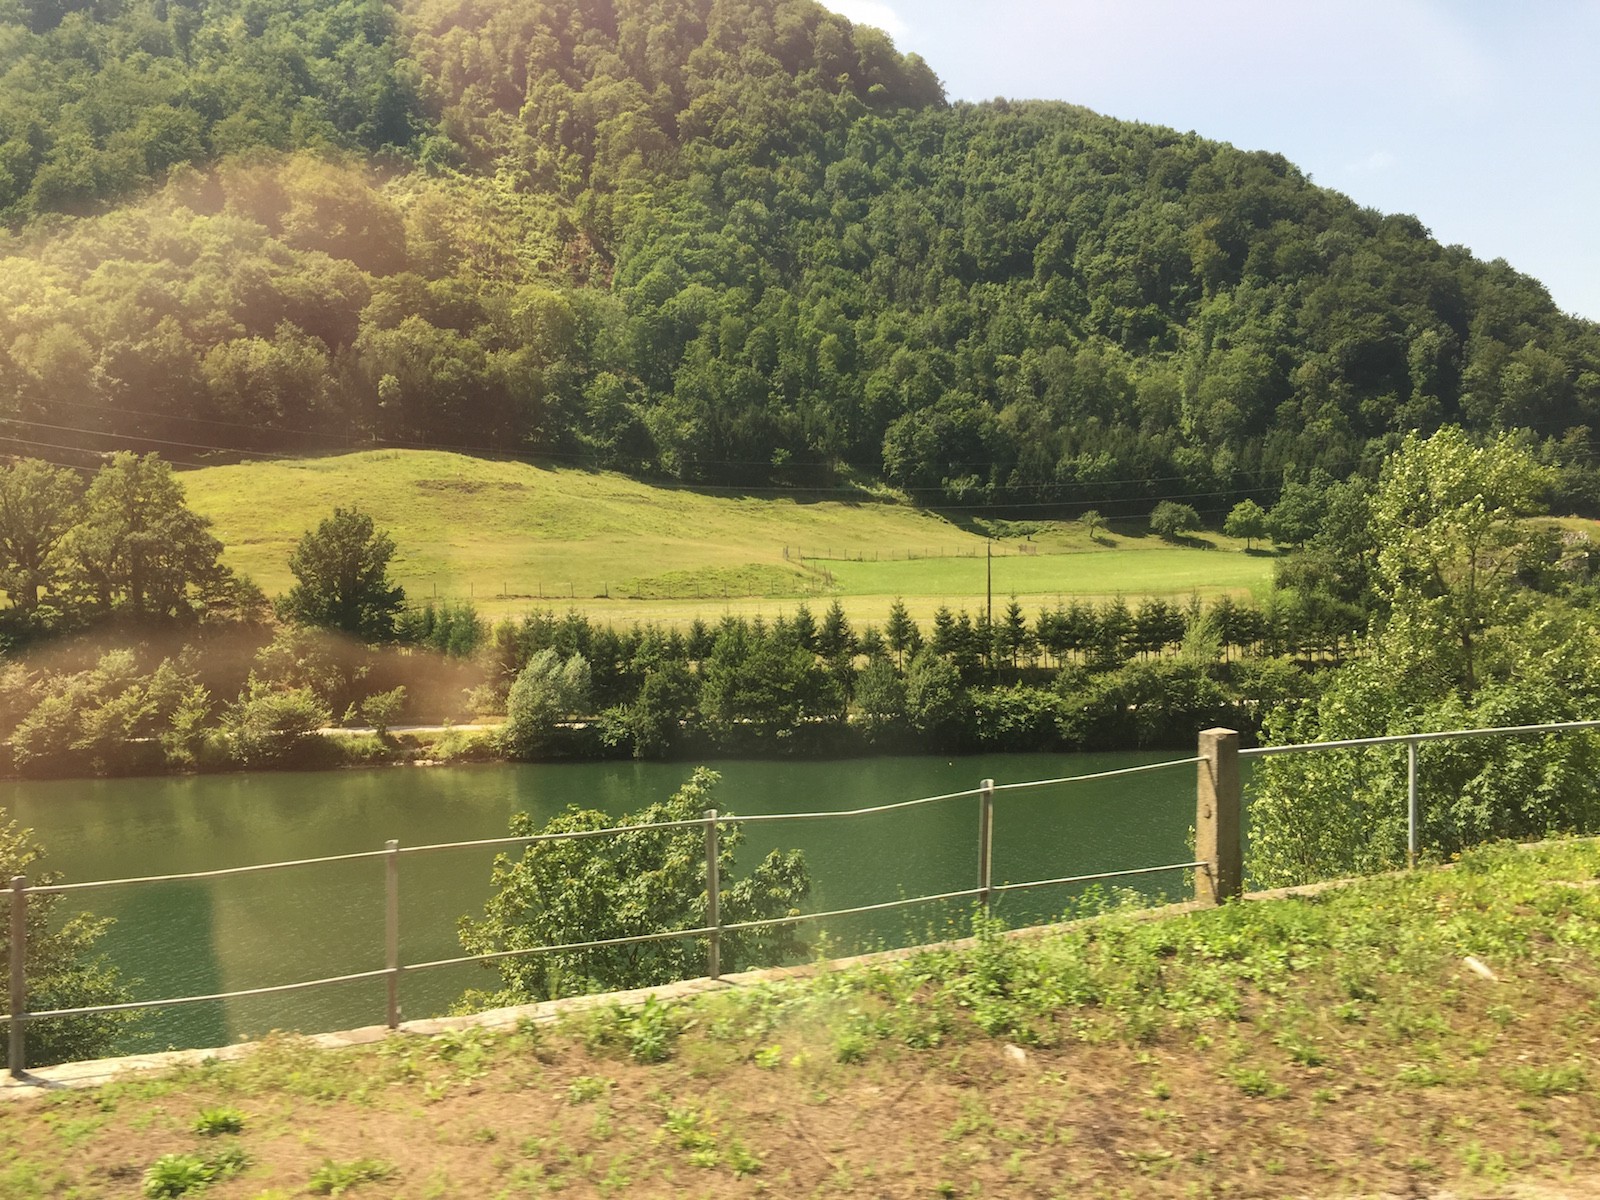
(988, 645)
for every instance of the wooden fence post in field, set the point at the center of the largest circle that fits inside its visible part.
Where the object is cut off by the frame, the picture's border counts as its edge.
(1217, 823)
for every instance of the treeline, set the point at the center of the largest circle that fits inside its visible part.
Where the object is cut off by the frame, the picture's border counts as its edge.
(737, 244)
(1077, 677)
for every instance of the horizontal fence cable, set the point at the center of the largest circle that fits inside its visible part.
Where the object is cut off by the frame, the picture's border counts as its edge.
(568, 836)
(1039, 883)
(849, 912)
(760, 818)
(567, 946)
(1400, 739)
(131, 1005)
(57, 888)
(1038, 783)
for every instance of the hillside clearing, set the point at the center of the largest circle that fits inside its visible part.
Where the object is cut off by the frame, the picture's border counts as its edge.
(512, 536)
(1327, 1045)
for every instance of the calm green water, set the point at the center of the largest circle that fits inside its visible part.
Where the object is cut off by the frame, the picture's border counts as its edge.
(208, 936)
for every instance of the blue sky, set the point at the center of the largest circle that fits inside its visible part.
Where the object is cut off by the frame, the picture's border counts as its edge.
(1482, 119)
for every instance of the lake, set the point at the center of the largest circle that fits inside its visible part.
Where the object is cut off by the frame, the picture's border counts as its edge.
(206, 936)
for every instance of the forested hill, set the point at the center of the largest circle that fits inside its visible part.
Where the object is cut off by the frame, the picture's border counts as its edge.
(735, 242)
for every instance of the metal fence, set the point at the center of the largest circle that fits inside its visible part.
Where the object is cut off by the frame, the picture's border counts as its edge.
(1217, 865)
(712, 930)
(1411, 741)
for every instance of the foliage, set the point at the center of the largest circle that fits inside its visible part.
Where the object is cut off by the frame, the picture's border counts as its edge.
(765, 686)
(628, 884)
(332, 1178)
(452, 628)
(179, 1174)
(137, 550)
(343, 572)
(1171, 520)
(746, 243)
(215, 1121)
(1463, 646)
(383, 709)
(1247, 520)
(266, 726)
(61, 967)
(1444, 518)
(38, 505)
(113, 718)
(548, 689)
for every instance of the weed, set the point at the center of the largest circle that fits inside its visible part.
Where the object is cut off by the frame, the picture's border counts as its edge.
(1420, 1075)
(647, 1032)
(178, 1174)
(214, 1121)
(688, 1125)
(1303, 1051)
(1490, 1164)
(850, 1046)
(335, 1178)
(740, 1159)
(654, 1029)
(768, 1058)
(588, 1087)
(1560, 1080)
(175, 1174)
(1254, 1081)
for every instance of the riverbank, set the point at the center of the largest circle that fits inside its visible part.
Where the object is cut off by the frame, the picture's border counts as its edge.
(1340, 1044)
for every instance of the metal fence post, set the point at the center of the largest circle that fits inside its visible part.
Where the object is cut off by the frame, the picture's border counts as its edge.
(713, 899)
(986, 845)
(16, 1057)
(1217, 823)
(391, 931)
(1411, 805)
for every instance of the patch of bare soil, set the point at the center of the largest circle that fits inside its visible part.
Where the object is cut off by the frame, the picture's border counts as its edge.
(1222, 1112)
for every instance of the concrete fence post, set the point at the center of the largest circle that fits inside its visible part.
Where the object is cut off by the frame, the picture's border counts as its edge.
(713, 899)
(1218, 827)
(17, 1053)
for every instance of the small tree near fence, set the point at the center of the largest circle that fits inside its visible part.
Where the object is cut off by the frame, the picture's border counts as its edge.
(625, 885)
(62, 966)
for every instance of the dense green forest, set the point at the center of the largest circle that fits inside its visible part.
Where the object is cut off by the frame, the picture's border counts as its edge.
(737, 243)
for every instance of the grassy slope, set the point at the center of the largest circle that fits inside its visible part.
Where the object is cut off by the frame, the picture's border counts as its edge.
(508, 534)
(1335, 1045)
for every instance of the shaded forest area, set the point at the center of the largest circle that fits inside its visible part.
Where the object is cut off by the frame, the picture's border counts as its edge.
(740, 244)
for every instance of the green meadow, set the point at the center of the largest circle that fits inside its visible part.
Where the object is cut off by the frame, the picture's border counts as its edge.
(513, 536)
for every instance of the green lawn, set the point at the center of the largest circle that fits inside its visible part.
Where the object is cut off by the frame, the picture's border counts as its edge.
(1159, 570)
(512, 536)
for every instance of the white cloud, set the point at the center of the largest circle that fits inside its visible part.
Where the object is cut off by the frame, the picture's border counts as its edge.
(871, 12)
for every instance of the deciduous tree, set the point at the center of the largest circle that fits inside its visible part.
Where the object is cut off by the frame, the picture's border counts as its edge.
(138, 550)
(343, 572)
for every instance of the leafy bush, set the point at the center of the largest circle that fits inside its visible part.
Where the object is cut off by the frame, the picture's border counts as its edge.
(547, 690)
(623, 885)
(267, 725)
(61, 967)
